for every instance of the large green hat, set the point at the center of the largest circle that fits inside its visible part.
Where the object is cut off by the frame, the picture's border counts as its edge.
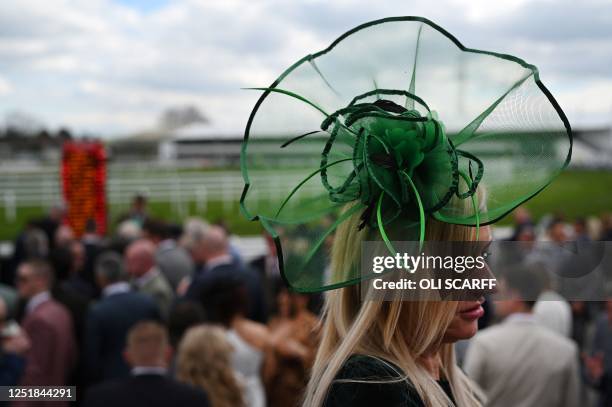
(396, 121)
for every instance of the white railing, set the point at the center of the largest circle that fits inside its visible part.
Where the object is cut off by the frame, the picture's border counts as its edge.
(180, 189)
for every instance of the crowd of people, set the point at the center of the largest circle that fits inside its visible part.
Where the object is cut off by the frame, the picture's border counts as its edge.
(160, 313)
(544, 344)
(155, 314)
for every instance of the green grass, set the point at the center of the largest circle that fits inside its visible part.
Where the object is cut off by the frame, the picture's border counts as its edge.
(574, 193)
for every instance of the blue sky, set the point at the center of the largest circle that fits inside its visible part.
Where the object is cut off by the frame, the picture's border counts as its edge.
(109, 67)
(144, 6)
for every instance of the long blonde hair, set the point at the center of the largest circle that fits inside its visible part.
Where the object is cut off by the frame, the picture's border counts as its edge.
(400, 332)
(204, 361)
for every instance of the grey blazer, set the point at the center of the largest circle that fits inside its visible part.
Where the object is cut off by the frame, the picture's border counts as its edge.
(519, 363)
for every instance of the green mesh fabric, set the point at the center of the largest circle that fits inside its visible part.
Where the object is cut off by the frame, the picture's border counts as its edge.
(396, 122)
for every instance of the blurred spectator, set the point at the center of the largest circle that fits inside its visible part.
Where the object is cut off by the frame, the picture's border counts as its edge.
(35, 244)
(193, 233)
(226, 302)
(67, 259)
(128, 231)
(63, 236)
(556, 231)
(146, 277)
(49, 224)
(32, 242)
(518, 362)
(213, 251)
(49, 327)
(581, 233)
(233, 250)
(75, 281)
(109, 320)
(14, 344)
(266, 267)
(606, 227)
(148, 353)
(173, 260)
(599, 363)
(10, 297)
(204, 361)
(551, 309)
(295, 341)
(138, 211)
(526, 234)
(92, 243)
(522, 220)
(183, 316)
(581, 317)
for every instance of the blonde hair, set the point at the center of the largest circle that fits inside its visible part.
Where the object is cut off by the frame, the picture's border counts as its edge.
(400, 332)
(204, 361)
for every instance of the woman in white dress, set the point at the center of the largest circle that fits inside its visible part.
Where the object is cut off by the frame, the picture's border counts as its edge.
(226, 302)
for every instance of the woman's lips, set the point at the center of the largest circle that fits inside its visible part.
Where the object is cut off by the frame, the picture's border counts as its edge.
(474, 312)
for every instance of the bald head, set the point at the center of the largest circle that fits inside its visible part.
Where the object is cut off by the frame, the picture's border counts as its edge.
(140, 257)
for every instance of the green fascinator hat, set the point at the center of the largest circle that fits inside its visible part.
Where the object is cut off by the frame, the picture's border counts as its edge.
(398, 122)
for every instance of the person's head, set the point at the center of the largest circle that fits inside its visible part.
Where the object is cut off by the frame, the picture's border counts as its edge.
(64, 235)
(140, 257)
(402, 332)
(35, 244)
(33, 277)
(139, 203)
(77, 251)
(155, 230)
(224, 300)
(519, 289)
(556, 230)
(521, 215)
(204, 360)
(91, 228)
(580, 227)
(147, 345)
(183, 316)
(57, 212)
(525, 233)
(108, 269)
(283, 303)
(299, 302)
(209, 243)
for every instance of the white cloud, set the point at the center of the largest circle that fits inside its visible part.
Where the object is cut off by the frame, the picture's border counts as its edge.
(5, 87)
(99, 66)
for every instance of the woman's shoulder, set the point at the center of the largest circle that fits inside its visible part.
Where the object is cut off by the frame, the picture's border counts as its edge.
(360, 367)
(367, 380)
(254, 333)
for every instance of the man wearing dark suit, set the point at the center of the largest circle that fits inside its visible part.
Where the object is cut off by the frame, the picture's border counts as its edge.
(48, 324)
(213, 250)
(148, 353)
(109, 320)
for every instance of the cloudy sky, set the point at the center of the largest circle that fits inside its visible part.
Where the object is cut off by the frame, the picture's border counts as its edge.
(110, 67)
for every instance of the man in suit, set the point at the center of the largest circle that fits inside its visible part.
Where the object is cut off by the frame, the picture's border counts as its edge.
(148, 353)
(48, 324)
(109, 320)
(146, 277)
(519, 362)
(214, 252)
(172, 259)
